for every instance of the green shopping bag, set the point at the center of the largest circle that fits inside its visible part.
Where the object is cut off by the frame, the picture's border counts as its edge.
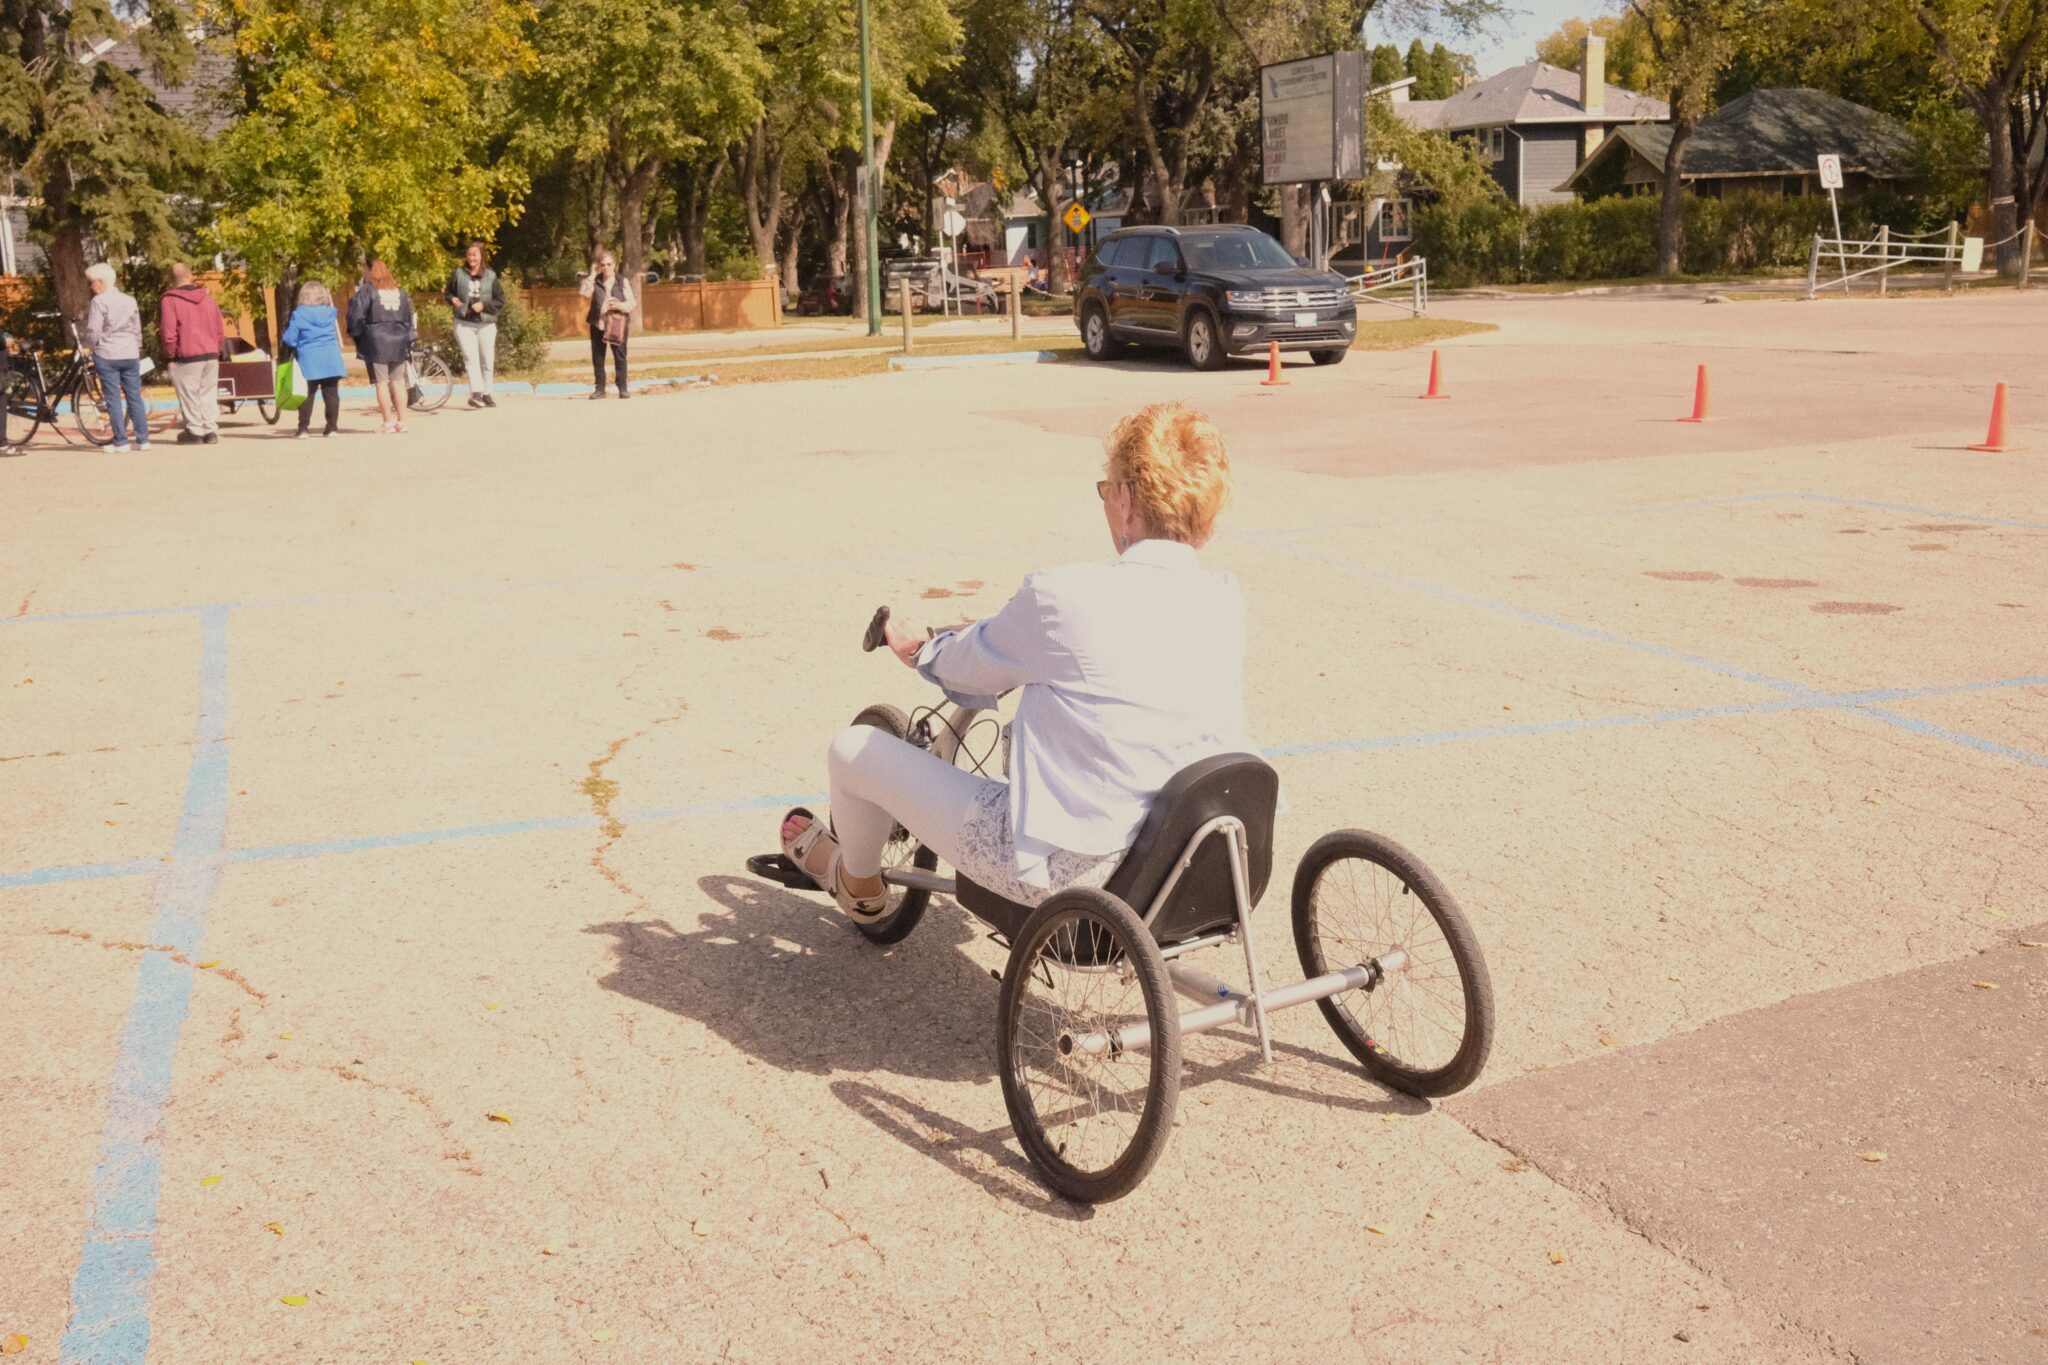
(291, 386)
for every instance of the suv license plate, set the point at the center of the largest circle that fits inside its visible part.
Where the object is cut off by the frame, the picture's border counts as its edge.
(1304, 319)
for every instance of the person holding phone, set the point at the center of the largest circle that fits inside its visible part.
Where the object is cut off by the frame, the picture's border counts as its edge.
(611, 306)
(476, 296)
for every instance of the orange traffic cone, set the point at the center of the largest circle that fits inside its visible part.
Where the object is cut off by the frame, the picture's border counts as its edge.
(1272, 379)
(1436, 377)
(1699, 398)
(1994, 439)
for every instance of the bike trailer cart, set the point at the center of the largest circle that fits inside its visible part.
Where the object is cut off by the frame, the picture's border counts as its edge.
(1088, 1032)
(248, 375)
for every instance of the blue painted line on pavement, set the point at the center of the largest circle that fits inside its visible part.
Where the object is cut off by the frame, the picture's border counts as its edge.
(106, 615)
(1921, 511)
(81, 872)
(110, 1291)
(940, 362)
(1933, 731)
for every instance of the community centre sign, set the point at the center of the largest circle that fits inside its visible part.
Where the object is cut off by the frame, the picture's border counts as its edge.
(1312, 119)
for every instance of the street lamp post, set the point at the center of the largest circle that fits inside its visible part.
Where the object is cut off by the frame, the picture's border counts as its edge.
(873, 254)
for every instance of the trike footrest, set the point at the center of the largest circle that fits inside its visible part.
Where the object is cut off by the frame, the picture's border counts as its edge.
(776, 868)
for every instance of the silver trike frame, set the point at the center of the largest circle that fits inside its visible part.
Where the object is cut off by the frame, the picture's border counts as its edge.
(1223, 1004)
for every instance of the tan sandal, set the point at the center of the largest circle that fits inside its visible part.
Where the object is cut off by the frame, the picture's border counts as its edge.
(866, 909)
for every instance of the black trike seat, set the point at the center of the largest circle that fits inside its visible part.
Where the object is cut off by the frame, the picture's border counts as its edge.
(1243, 787)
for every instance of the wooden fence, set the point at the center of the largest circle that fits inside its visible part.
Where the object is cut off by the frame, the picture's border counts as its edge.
(709, 306)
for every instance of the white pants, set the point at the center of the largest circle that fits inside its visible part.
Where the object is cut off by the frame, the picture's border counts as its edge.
(479, 343)
(197, 383)
(879, 782)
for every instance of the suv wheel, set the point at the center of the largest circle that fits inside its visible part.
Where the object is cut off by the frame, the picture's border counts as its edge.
(1330, 357)
(1095, 336)
(1204, 347)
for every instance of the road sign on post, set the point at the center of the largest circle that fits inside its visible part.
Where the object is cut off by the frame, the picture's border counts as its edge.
(1830, 171)
(1831, 180)
(1076, 218)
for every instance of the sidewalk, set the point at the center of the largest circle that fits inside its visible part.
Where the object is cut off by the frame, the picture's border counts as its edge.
(831, 336)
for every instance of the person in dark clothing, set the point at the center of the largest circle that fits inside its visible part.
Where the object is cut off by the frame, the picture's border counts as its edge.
(476, 296)
(380, 321)
(611, 304)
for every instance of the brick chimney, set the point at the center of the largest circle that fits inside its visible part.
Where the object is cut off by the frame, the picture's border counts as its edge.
(1593, 74)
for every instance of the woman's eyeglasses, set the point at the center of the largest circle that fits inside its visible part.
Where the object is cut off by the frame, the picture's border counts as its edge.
(1102, 487)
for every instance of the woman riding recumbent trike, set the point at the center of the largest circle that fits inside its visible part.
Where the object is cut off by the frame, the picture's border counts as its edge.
(1120, 824)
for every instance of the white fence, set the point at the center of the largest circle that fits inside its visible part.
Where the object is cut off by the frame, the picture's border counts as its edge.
(1386, 286)
(1945, 249)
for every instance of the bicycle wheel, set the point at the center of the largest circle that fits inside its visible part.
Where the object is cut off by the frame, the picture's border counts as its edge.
(430, 372)
(266, 408)
(1091, 1101)
(24, 401)
(89, 415)
(1426, 1026)
(902, 850)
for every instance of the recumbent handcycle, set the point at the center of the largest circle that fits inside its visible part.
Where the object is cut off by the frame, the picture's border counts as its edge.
(1088, 1036)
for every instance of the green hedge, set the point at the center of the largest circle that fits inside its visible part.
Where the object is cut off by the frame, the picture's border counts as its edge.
(1495, 242)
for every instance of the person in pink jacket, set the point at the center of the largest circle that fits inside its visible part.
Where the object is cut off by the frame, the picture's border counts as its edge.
(190, 324)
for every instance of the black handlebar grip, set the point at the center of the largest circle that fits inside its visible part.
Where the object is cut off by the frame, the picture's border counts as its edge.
(876, 636)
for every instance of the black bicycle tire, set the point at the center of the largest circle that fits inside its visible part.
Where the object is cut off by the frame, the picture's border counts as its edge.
(267, 409)
(1162, 1089)
(29, 410)
(1474, 982)
(75, 395)
(895, 926)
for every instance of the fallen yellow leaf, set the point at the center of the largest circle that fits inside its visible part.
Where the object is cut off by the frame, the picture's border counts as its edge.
(469, 1310)
(14, 1345)
(499, 1116)
(1556, 1257)
(293, 1299)
(702, 1227)
(549, 1251)
(1609, 1040)
(210, 962)
(2030, 943)
(277, 1228)
(211, 1180)
(490, 1004)
(1985, 985)
(1379, 1230)
(1996, 914)
(603, 1334)
(286, 1036)
(421, 1360)
(1871, 1156)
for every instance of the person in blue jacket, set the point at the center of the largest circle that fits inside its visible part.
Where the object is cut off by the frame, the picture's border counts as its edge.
(315, 339)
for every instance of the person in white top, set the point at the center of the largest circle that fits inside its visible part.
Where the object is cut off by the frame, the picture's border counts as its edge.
(1130, 671)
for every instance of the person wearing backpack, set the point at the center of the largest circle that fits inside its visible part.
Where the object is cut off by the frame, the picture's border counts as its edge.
(315, 339)
(476, 296)
(611, 305)
(381, 323)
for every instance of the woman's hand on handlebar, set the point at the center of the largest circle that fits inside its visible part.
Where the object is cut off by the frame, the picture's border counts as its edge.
(902, 643)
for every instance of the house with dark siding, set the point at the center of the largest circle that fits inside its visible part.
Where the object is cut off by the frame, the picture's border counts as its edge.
(1535, 124)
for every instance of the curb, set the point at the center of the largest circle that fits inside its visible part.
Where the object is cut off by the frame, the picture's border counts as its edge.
(933, 362)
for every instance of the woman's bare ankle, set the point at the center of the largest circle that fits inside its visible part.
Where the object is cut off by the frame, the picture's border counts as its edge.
(861, 886)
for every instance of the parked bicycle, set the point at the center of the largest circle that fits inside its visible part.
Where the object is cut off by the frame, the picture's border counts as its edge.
(35, 400)
(432, 384)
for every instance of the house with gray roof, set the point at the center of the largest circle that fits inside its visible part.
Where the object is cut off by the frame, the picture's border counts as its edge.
(1535, 124)
(1766, 142)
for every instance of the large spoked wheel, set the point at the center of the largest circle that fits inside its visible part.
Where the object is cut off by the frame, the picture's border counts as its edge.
(24, 407)
(907, 906)
(1089, 1045)
(1426, 1025)
(266, 408)
(430, 374)
(89, 415)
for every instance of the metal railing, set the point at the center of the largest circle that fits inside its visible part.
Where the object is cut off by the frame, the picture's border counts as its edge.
(1384, 285)
(1949, 250)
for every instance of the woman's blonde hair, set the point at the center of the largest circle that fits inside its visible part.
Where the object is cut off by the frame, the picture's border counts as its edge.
(1173, 460)
(100, 270)
(314, 292)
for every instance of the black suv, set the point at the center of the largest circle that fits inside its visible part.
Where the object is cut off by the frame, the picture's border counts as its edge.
(1212, 291)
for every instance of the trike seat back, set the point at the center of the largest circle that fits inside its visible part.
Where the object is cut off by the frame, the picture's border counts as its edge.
(1243, 787)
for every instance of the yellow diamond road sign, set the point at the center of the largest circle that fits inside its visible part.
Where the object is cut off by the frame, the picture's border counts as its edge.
(1076, 218)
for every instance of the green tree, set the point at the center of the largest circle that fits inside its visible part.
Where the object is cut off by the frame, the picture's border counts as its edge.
(1692, 41)
(1631, 64)
(362, 133)
(626, 88)
(99, 159)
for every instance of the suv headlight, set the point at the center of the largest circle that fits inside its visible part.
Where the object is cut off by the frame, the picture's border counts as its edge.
(1245, 298)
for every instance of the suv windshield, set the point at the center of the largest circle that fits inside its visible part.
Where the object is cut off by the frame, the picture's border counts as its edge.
(1236, 251)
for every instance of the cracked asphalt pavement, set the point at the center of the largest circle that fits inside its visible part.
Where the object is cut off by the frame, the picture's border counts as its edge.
(378, 815)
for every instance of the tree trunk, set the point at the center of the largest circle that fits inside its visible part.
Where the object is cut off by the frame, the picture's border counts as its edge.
(885, 136)
(696, 187)
(67, 268)
(835, 201)
(793, 226)
(1671, 211)
(1294, 219)
(636, 229)
(2000, 181)
(759, 167)
(1058, 279)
